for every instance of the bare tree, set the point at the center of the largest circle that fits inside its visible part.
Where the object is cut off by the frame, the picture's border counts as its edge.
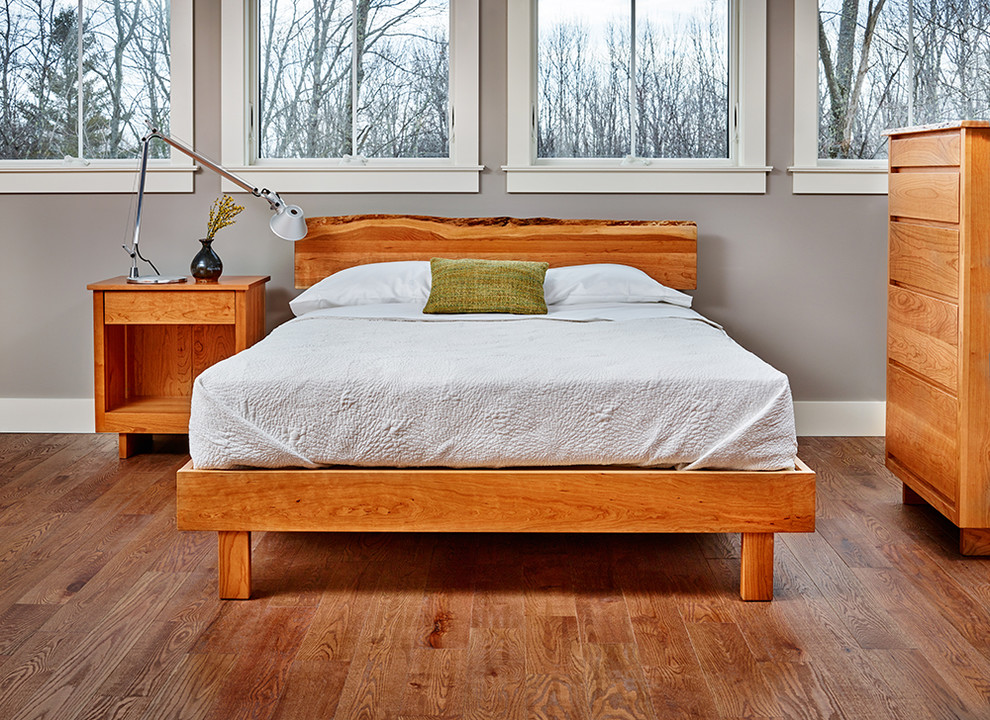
(681, 87)
(390, 55)
(125, 76)
(913, 62)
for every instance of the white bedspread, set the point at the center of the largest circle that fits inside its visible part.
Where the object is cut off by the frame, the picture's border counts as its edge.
(637, 384)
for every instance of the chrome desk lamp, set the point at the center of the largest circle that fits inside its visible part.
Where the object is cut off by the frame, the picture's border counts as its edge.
(288, 221)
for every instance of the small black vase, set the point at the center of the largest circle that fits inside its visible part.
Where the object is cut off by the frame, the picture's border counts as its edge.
(206, 266)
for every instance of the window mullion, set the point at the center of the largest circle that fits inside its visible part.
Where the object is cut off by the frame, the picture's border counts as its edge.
(354, 79)
(80, 120)
(633, 150)
(910, 62)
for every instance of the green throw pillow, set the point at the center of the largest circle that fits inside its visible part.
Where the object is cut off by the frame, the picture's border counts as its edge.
(487, 286)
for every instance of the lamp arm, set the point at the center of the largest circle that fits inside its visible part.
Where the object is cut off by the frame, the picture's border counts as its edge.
(272, 197)
(288, 222)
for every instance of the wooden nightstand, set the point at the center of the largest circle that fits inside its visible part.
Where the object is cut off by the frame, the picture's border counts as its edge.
(151, 341)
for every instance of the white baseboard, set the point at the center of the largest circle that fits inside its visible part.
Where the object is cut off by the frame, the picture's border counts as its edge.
(47, 415)
(840, 418)
(75, 415)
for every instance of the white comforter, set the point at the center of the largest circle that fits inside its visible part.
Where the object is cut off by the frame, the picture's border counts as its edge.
(635, 384)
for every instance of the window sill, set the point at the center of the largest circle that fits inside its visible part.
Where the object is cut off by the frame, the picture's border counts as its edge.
(123, 178)
(839, 180)
(657, 179)
(361, 179)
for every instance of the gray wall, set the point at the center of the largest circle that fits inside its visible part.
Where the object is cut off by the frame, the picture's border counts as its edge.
(798, 280)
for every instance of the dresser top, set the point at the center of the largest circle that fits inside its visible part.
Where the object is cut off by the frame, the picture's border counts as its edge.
(955, 125)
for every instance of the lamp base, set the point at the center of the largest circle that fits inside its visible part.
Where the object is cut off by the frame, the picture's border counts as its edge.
(156, 279)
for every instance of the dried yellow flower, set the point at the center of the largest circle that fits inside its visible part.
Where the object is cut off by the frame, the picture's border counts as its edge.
(222, 214)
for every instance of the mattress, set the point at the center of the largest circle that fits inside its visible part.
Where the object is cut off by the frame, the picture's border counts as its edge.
(641, 384)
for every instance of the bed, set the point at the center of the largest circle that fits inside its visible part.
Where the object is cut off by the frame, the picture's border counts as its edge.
(304, 490)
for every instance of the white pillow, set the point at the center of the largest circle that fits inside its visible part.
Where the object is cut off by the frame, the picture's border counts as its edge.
(604, 283)
(388, 282)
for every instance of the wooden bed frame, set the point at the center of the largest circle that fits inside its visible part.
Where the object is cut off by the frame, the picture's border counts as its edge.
(561, 499)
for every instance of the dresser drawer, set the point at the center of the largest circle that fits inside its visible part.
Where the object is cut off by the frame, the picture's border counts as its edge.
(927, 151)
(921, 431)
(173, 307)
(925, 196)
(923, 334)
(925, 257)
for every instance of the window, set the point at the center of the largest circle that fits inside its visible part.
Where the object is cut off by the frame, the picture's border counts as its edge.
(320, 98)
(362, 95)
(882, 65)
(637, 96)
(78, 81)
(678, 105)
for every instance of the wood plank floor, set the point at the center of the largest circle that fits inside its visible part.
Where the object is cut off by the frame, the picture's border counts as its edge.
(106, 611)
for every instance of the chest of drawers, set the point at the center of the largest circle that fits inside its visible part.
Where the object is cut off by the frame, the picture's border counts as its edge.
(938, 323)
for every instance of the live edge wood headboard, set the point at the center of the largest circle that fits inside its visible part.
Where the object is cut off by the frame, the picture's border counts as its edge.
(666, 250)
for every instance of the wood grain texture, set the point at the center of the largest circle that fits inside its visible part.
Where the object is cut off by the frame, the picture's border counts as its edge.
(921, 430)
(925, 257)
(974, 541)
(234, 572)
(664, 250)
(580, 499)
(923, 335)
(756, 575)
(151, 341)
(924, 196)
(508, 500)
(974, 416)
(182, 308)
(928, 150)
(878, 616)
(943, 457)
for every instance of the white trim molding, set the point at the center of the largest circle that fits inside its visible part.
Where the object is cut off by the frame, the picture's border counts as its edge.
(47, 415)
(368, 179)
(745, 171)
(76, 415)
(810, 174)
(458, 173)
(837, 419)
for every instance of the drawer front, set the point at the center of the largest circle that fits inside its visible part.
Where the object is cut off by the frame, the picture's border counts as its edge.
(923, 334)
(925, 151)
(925, 196)
(922, 430)
(172, 307)
(925, 257)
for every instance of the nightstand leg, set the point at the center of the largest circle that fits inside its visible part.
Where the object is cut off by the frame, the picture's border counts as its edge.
(130, 444)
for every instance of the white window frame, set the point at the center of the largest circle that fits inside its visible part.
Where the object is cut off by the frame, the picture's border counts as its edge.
(120, 176)
(745, 171)
(458, 173)
(811, 174)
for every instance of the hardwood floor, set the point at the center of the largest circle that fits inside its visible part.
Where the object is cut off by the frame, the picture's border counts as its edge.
(107, 612)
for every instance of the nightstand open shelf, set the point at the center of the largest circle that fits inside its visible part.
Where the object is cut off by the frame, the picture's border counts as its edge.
(151, 341)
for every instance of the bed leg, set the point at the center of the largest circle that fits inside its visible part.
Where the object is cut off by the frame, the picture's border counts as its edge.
(234, 565)
(756, 575)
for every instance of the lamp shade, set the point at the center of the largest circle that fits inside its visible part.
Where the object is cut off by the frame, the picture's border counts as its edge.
(289, 223)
